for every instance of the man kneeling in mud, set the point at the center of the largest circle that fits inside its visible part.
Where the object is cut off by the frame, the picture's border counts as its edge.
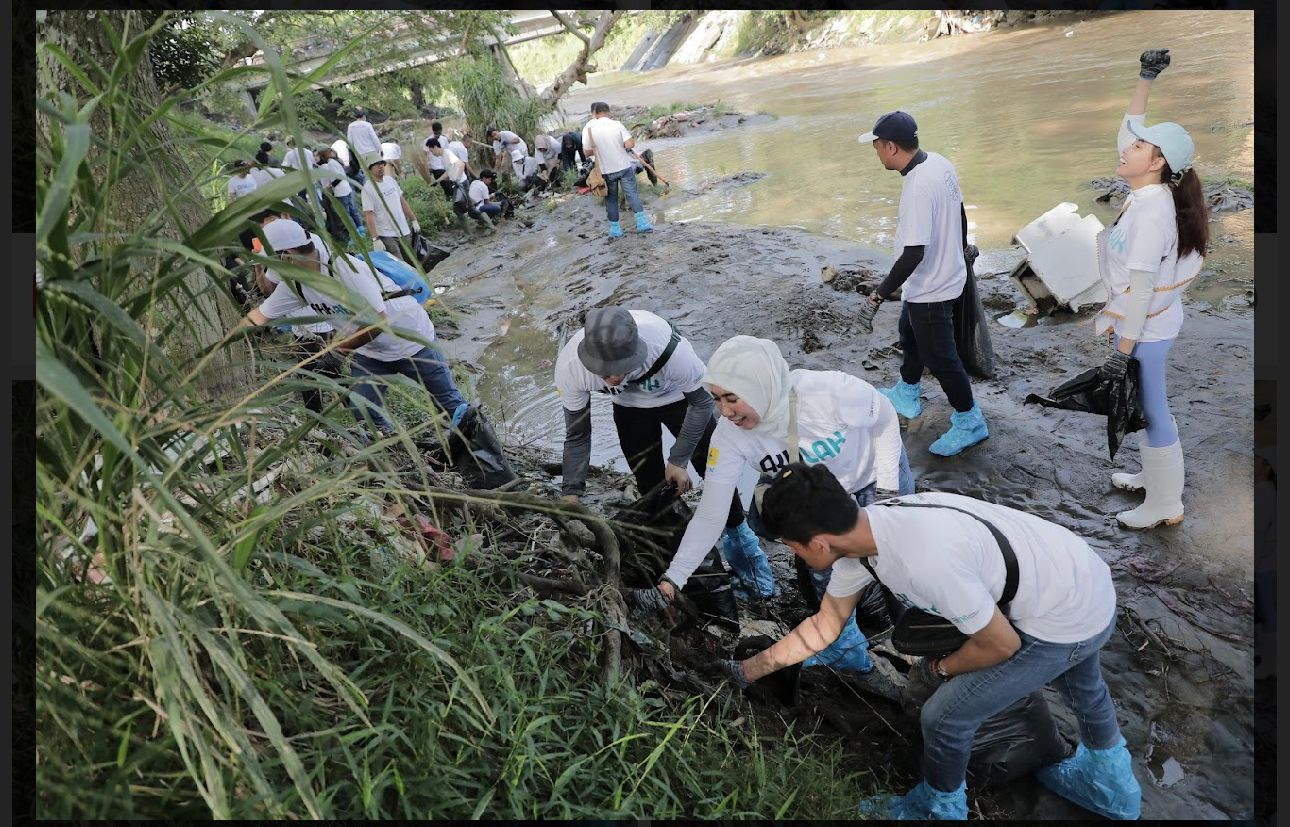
(938, 552)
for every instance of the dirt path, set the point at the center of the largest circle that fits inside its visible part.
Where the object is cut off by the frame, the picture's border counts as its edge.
(1180, 666)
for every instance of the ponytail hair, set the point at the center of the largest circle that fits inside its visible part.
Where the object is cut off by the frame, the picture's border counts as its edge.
(1191, 208)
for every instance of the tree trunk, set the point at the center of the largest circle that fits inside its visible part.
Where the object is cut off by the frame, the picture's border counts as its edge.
(577, 71)
(209, 309)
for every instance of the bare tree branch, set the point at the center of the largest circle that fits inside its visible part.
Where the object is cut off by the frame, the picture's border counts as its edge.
(577, 71)
(571, 27)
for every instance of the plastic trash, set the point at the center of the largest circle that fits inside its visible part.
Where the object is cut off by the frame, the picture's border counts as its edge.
(1015, 743)
(401, 273)
(428, 254)
(971, 331)
(876, 612)
(783, 685)
(648, 554)
(477, 454)
(1120, 403)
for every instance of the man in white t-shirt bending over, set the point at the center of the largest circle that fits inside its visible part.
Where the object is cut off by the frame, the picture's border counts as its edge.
(931, 235)
(373, 352)
(939, 552)
(610, 144)
(387, 213)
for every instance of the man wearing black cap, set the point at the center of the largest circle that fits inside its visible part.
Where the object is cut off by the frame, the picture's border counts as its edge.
(652, 375)
(931, 271)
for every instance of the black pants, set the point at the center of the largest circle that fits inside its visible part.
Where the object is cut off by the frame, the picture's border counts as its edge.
(642, 444)
(303, 348)
(449, 188)
(927, 337)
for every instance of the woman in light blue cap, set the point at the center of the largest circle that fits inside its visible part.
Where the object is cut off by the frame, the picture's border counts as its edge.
(1146, 257)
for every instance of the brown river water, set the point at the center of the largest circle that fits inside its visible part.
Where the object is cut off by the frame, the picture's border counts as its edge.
(1029, 117)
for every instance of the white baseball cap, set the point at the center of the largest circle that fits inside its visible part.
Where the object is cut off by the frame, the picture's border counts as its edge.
(285, 234)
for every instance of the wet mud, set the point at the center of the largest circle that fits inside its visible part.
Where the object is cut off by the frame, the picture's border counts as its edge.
(1180, 665)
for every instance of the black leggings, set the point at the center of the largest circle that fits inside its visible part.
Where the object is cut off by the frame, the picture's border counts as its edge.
(642, 444)
(927, 338)
(303, 348)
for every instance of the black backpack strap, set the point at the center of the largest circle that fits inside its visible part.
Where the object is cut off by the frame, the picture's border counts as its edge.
(1012, 575)
(663, 357)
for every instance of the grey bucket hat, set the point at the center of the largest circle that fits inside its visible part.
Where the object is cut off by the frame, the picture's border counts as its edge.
(610, 344)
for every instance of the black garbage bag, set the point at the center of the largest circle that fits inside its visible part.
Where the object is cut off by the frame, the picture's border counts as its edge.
(428, 254)
(647, 554)
(477, 454)
(1119, 402)
(971, 330)
(1015, 742)
(877, 610)
(783, 685)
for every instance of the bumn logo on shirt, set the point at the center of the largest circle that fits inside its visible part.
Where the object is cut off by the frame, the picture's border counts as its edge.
(817, 451)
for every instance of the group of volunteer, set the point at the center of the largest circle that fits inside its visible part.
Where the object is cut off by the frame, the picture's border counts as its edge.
(1021, 603)
(1025, 602)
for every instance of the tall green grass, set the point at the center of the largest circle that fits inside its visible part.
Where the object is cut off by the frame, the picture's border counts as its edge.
(269, 644)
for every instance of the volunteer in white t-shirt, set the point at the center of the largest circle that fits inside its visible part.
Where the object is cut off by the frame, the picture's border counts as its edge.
(481, 205)
(446, 168)
(437, 133)
(507, 146)
(341, 188)
(830, 418)
(375, 352)
(610, 144)
(940, 553)
(241, 183)
(363, 139)
(459, 145)
(1147, 256)
(387, 213)
(931, 236)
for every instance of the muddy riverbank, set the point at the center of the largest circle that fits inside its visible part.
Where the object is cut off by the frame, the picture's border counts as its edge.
(1180, 665)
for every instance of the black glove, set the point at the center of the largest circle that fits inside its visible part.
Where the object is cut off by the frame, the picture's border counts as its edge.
(970, 253)
(866, 314)
(1153, 63)
(728, 670)
(1115, 367)
(645, 601)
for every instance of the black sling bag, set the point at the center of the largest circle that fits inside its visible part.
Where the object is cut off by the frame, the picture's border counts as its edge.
(663, 357)
(923, 633)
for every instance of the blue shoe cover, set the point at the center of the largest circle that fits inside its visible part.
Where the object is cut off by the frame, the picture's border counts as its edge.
(919, 804)
(1099, 780)
(459, 413)
(743, 552)
(849, 652)
(905, 398)
(966, 429)
(615, 230)
(642, 223)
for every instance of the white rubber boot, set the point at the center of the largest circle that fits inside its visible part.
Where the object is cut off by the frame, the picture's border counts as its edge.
(1128, 482)
(1162, 476)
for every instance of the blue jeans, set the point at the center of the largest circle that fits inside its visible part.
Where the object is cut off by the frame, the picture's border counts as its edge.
(489, 209)
(352, 210)
(927, 338)
(427, 366)
(1152, 357)
(951, 716)
(628, 179)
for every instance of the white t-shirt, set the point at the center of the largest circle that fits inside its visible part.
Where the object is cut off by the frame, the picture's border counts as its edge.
(342, 187)
(384, 202)
(240, 185)
(455, 167)
(607, 136)
(362, 136)
(511, 143)
(842, 422)
(459, 149)
(546, 148)
(478, 193)
(298, 158)
(265, 175)
(342, 151)
(404, 313)
(1145, 237)
(530, 166)
(681, 374)
(931, 214)
(312, 327)
(949, 564)
(436, 161)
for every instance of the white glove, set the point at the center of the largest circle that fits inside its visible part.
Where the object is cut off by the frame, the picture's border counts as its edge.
(416, 226)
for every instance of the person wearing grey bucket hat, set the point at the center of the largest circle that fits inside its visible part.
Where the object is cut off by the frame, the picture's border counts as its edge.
(1152, 250)
(652, 375)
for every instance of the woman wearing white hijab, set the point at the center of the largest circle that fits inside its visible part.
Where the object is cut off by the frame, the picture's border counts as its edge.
(836, 419)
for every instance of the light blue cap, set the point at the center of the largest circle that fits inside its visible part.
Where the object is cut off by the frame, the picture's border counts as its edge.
(1173, 141)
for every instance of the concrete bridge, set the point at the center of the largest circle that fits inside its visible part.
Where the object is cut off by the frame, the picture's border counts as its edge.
(308, 53)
